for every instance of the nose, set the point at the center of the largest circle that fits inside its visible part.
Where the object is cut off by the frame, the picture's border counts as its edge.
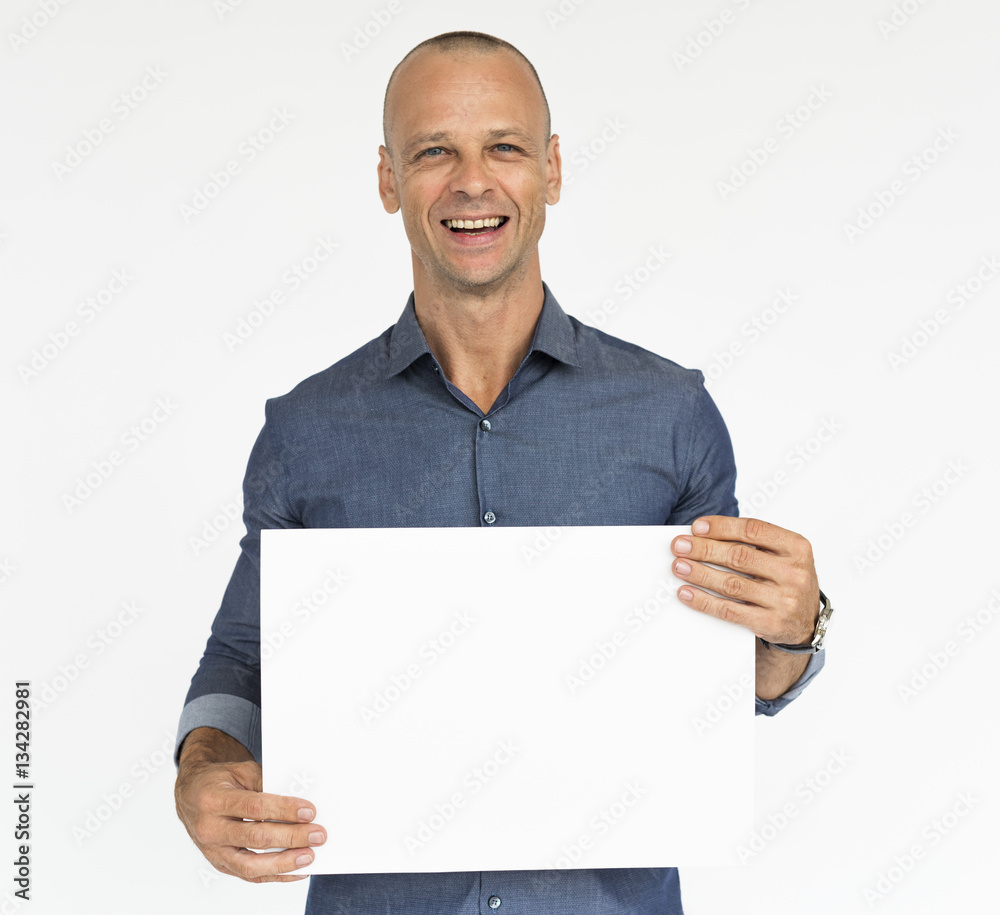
(472, 176)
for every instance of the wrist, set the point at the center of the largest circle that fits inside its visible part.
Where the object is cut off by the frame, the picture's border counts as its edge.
(819, 632)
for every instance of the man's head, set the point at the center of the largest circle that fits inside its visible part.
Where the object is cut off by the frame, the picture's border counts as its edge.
(467, 137)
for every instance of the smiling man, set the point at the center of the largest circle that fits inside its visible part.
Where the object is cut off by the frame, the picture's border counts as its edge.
(485, 404)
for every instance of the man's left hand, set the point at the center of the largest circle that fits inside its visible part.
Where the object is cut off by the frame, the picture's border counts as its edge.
(779, 601)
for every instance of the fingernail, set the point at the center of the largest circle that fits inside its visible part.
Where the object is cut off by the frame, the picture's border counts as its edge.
(684, 594)
(306, 813)
(681, 567)
(682, 546)
(316, 838)
(303, 860)
(699, 527)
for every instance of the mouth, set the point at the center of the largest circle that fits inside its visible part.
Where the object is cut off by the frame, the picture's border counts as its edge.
(480, 226)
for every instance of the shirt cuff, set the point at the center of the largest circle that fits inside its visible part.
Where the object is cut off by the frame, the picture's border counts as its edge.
(773, 706)
(237, 717)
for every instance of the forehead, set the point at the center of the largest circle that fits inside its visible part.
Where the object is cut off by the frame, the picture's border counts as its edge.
(455, 92)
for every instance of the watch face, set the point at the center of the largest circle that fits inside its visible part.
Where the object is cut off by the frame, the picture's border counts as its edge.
(826, 611)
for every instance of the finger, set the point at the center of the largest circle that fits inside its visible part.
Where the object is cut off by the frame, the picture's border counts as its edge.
(760, 534)
(234, 801)
(253, 834)
(738, 556)
(727, 610)
(728, 584)
(270, 865)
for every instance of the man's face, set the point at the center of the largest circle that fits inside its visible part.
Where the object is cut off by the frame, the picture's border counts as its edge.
(468, 143)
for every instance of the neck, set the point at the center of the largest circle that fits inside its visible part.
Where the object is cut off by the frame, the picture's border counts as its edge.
(480, 339)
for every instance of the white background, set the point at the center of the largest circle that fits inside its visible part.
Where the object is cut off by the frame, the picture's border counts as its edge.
(141, 535)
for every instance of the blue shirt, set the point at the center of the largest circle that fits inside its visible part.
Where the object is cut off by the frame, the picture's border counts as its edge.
(590, 430)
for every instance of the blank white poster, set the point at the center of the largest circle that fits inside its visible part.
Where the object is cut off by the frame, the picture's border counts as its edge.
(457, 699)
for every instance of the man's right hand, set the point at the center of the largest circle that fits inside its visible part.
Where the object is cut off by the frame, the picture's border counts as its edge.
(218, 788)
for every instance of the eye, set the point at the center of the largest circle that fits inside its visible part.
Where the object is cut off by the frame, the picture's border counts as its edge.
(433, 152)
(505, 147)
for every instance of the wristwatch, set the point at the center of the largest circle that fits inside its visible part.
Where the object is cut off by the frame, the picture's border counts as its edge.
(822, 621)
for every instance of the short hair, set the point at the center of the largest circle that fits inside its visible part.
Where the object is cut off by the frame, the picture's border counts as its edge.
(469, 42)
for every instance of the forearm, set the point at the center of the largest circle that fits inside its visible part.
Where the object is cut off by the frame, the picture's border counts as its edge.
(777, 670)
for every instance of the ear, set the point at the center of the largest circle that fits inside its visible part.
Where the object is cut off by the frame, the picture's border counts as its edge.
(553, 171)
(387, 181)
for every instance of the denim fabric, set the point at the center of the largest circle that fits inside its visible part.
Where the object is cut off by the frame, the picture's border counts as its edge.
(590, 430)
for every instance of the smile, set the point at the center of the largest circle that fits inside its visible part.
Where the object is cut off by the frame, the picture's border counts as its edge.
(474, 226)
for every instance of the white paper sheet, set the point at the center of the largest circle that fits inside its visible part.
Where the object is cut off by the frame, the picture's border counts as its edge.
(458, 699)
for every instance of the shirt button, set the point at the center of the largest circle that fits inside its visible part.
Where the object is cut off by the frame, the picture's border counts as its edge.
(485, 425)
(494, 902)
(489, 518)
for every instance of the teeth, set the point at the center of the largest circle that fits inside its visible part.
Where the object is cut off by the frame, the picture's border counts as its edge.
(490, 223)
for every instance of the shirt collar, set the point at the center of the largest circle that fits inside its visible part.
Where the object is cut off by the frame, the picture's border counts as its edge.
(554, 334)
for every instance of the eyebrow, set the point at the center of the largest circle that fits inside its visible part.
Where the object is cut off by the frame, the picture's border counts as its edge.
(497, 133)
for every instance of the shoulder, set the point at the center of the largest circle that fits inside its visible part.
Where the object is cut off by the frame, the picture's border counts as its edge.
(344, 383)
(603, 354)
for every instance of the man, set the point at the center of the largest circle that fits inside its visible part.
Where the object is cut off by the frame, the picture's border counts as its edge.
(485, 404)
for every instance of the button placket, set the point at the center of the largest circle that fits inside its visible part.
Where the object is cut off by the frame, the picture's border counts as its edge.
(483, 444)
